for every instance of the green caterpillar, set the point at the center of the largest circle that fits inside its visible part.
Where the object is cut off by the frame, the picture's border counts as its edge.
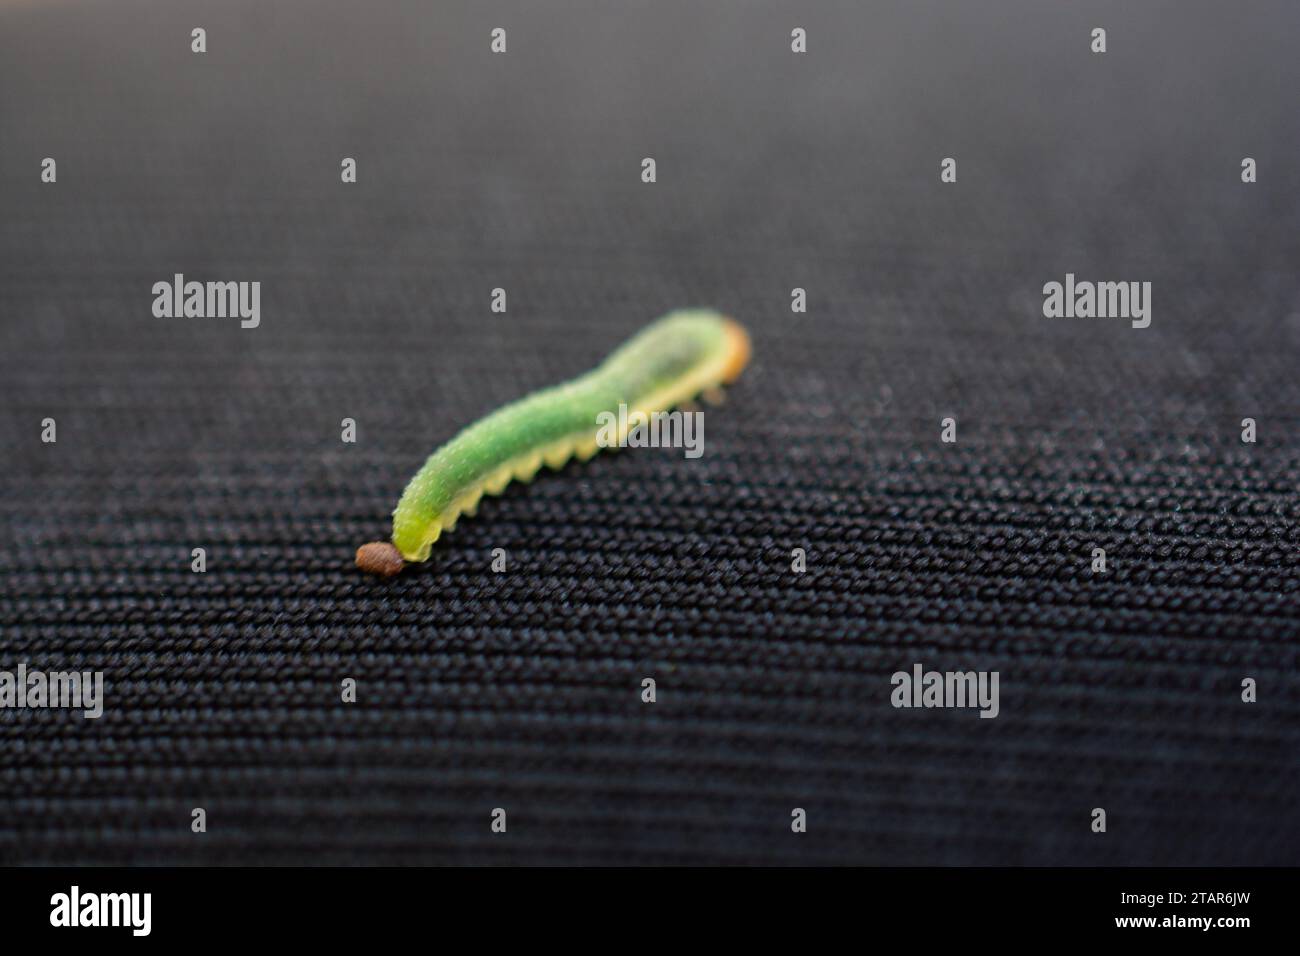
(671, 361)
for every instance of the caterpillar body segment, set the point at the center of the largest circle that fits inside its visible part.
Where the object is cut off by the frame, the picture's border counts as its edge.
(681, 356)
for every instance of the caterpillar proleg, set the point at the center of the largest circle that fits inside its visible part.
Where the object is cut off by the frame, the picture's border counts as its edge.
(671, 361)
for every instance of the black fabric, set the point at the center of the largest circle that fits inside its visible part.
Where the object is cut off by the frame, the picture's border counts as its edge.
(774, 170)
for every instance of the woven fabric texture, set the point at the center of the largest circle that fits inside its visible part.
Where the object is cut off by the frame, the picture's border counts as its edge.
(775, 170)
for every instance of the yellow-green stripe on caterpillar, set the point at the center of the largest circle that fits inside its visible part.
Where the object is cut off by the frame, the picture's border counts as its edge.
(671, 361)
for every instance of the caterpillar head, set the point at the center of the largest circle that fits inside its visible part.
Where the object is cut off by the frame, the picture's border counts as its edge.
(380, 557)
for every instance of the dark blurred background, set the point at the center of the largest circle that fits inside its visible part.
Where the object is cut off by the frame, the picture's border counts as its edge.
(775, 171)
